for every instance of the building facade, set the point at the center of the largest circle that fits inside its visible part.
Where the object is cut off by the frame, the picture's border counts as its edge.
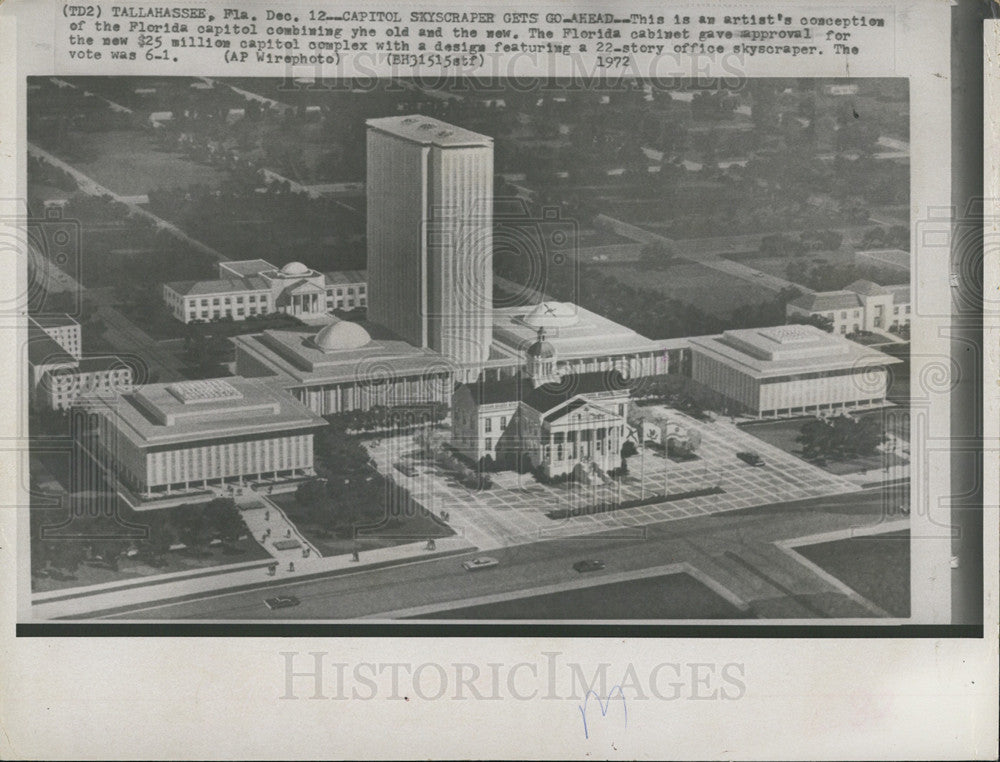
(58, 377)
(62, 329)
(429, 232)
(61, 389)
(790, 370)
(183, 438)
(343, 367)
(861, 306)
(254, 287)
(554, 428)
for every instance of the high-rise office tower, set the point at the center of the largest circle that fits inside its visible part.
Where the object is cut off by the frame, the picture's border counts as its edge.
(430, 236)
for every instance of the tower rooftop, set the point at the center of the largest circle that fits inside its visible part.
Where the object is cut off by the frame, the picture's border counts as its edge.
(427, 130)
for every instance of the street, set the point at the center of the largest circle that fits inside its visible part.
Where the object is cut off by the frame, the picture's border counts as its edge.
(736, 551)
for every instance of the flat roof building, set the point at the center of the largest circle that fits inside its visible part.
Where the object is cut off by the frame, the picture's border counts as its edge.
(254, 287)
(860, 306)
(184, 437)
(345, 366)
(430, 235)
(790, 370)
(584, 341)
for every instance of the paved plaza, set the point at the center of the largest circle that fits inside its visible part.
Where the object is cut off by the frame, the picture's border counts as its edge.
(515, 510)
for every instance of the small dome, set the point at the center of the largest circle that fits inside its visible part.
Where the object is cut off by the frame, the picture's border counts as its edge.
(341, 335)
(542, 350)
(552, 315)
(295, 268)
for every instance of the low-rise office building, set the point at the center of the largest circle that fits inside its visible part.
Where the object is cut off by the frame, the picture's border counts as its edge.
(861, 306)
(584, 341)
(345, 367)
(790, 370)
(63, 329)
(184, 437)
(254, 287)
(58, 378)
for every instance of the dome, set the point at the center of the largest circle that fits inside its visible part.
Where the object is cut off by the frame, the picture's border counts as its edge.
(341, 335)
(552, 315)
(295, 268)
(542, 350)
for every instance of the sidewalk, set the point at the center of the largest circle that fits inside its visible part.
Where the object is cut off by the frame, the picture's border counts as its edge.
(102, 599)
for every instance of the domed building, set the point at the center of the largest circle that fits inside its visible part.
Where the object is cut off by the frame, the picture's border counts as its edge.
(254, 287)
(341, 335)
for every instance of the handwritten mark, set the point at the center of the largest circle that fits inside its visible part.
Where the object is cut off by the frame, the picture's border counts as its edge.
(604, 704)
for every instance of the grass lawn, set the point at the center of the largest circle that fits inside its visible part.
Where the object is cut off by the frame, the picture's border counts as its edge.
(176, 561)
(414, 524)
(671, 596)
(877, 567)
(243, 550)
(127, 162)
(783, 434)
(710, 290)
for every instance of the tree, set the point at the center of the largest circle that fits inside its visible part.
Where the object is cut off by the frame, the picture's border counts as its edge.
(820, 321)
(223, 517)
(310, 493)
(840, 437)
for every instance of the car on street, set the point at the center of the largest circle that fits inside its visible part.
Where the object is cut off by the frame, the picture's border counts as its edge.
(750, 457)
(281, 602)
(482, 562)
(588, 566)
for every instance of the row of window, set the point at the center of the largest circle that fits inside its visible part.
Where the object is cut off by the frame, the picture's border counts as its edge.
(857, 313)
(228, 300)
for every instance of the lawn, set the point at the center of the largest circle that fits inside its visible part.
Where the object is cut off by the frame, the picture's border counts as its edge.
(128, 163)
(671, 596)
(84, 535)
(875, 566)
(412, 523)
(782, 434)
(710, 290)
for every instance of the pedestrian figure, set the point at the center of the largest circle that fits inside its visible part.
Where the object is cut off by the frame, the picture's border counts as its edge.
(291, 566)
(355, 556)
(263, 538)
(305, 552)
(431, 545)
(288, 533)
(267, 515)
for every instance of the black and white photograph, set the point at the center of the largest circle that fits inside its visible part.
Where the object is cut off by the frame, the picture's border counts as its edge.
(572, 380)
(636, 351)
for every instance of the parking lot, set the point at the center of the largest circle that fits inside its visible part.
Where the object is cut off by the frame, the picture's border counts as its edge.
(515, 510)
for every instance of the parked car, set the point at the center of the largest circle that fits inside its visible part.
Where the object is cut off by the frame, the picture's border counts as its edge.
(588, 566)
(281, 602)
(750, 457)
(482, 562)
